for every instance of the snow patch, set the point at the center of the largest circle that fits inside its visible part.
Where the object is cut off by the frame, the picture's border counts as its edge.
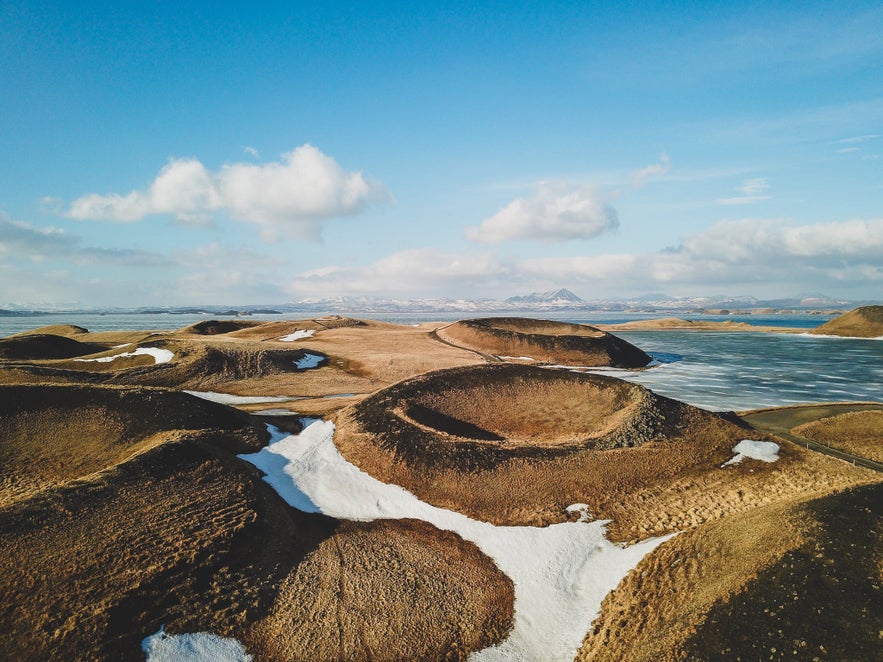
(228, 399)
(197, 647)
(274, 412)
(516, 358)
(765, 451)
(561, 572)
(309, 361)
(159, 355)
(297, 335)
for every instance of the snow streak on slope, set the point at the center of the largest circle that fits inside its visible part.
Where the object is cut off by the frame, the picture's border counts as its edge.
(561, 573)
(159, 355)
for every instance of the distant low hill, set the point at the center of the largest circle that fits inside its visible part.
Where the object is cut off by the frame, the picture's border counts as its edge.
(864, 322)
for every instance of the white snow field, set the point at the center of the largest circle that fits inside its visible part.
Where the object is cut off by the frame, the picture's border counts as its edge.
(297, 335)
(561, 572)
(765, 451)
(229, 399)
(198, 647)
(159, 355)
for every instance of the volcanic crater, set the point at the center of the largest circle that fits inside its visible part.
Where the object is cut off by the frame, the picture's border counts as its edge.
(544, 341)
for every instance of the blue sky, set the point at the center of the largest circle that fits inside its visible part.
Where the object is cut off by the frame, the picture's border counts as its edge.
(223, 153)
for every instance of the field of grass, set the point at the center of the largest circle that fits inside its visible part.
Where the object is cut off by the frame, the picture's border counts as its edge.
(125, 509)
(123, 506)
(858, 432)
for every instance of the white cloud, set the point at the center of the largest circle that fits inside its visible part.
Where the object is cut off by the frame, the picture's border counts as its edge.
(289, 197)
(251, 151)
(640, 176)
(751, 191)
(557, 212)
(856, 139)
(754, 256)
(418, 271)
(745, 253)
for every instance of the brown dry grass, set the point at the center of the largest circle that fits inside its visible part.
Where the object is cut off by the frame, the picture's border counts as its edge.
(672, 481)
(858, 432)
(582, 410)
(542, 340)
(147, 519)
(678, 324)
(657, 607)
(864, 322)
(45, 346)
(388, 590)
(656, 488)
(52, 434)
(820, 600)
(183, 535)
(363, 356)
(69, 330)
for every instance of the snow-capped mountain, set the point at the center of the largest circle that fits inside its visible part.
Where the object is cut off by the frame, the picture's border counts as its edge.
(556, 298)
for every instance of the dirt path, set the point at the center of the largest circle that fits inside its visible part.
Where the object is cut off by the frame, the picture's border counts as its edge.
(781, 420)
(490, 358)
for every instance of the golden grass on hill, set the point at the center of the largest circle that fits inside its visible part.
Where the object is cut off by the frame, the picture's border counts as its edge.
(820, 600)
(68, 330)
(864, 322)
(182, 534)
(147, 519)
(678, 324)
(440, 598)
(858, 432)
(670, 480)
(45, 346)
(797, 579)
(658, 605)
(52, 434)
(362, 357)
(543, 340)
(584, 409)
(217, 327)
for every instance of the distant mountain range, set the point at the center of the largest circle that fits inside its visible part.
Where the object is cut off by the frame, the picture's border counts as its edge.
(561, 299)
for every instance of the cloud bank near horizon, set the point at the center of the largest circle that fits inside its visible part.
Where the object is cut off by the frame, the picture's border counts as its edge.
(735, 254)
(286, 198)
(742, 256)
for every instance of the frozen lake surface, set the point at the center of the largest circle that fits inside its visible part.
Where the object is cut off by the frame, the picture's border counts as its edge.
(739, 371)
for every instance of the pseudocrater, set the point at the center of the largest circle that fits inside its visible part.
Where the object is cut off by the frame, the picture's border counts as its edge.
(544, 341)
(515, 444)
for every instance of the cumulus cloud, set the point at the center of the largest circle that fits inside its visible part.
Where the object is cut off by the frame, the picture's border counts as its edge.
(750, 191)
(557, 212)
(289, 197)
(640, 176)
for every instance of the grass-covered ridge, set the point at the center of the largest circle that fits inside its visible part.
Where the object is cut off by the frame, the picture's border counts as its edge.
(544, 341)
